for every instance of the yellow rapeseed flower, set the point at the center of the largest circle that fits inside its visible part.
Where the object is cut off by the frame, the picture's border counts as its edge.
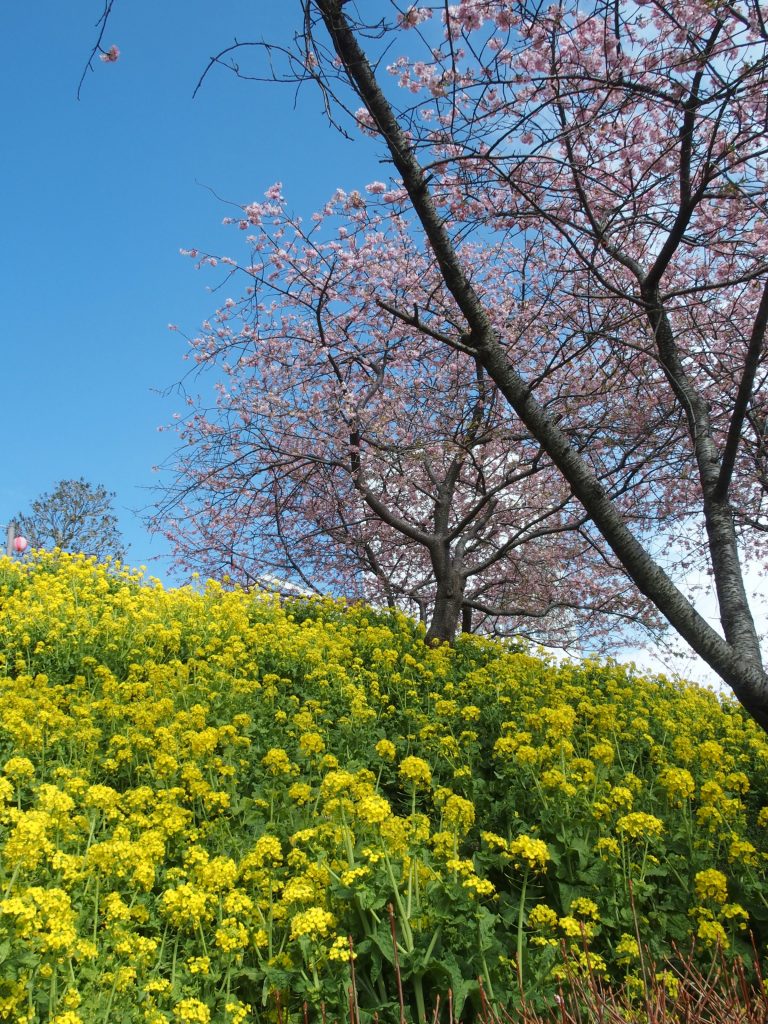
(386, 750)
(191, 1011)
(678, 783)
(711, 885)
(19, 768)
(199, 964)
(640, 826)
(277, 762)
(238, 1012)
(459, 813)
(340, 950)
(542, 916)
(314, 923)
(416, 771)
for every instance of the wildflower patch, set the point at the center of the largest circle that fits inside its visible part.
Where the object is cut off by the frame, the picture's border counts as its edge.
(209, 801)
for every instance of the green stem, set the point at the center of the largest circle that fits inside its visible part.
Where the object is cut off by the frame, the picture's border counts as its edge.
(407, 933)
(109, 1001)
(50, 999)
(487, 976)
(432, 943)
(409, 894)
(96, 912)
(348, 846)
(520, 917)
(202, 937)
(418, 991)
(12, 882)
(173, 961)
(645, 860)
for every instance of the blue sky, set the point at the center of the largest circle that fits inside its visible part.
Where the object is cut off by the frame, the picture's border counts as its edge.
(98, 197)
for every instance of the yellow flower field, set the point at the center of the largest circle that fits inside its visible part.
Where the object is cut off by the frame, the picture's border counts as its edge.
(210, 802)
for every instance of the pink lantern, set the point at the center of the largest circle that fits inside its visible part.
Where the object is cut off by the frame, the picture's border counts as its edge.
(20, 544)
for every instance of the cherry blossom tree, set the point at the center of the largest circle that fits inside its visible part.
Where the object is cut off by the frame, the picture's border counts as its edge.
(357, 453)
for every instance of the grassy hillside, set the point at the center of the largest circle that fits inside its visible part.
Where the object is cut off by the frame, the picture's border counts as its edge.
(205, 795)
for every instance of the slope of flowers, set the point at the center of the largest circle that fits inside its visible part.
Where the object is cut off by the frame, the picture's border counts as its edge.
(205, 795)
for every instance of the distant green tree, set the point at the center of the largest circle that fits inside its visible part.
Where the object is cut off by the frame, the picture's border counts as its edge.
(77, 517)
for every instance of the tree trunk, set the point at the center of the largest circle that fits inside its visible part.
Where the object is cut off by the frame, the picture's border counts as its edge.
(447, 610)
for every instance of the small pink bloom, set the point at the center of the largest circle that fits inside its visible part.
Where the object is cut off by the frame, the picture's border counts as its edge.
(110, 56)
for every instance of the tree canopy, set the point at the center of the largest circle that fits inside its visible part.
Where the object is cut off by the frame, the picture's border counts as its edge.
(75, 516)
(362, 456)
